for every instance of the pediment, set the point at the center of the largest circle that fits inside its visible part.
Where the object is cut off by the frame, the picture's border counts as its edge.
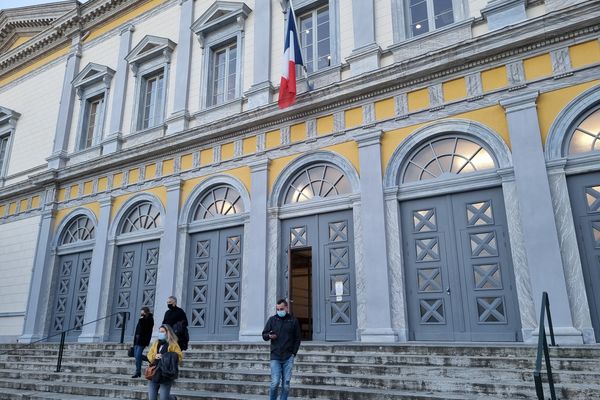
(93, 73)
(150, 47)
(8, 116)
(221, 13)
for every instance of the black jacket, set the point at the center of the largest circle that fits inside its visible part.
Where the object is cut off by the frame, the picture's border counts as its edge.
(177, 319)
(143, 331)
(287, 330)
(168, 367)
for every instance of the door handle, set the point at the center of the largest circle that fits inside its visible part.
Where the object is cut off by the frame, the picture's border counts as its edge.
(448, 291)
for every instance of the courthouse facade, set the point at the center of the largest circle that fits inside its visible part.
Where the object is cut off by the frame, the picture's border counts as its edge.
(438, 172)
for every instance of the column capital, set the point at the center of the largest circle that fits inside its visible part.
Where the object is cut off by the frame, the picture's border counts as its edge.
(521, 102)
(173, 184)
(368, 138)
(129, 28)
(259, 165)
(106, 201)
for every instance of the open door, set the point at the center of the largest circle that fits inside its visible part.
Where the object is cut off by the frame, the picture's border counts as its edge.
(300, 288)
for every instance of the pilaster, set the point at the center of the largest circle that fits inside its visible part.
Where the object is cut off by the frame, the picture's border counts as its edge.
(366, 54)
(259, 93)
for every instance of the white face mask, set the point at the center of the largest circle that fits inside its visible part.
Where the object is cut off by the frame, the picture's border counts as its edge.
(162, 336)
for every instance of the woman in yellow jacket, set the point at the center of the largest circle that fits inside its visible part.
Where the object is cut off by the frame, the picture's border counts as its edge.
(167, 342)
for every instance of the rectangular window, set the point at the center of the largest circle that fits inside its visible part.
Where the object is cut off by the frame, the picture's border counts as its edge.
(3, 151)
(315, 38)
(92, 121)
(152, 100)
(427, 15)
(223, 75)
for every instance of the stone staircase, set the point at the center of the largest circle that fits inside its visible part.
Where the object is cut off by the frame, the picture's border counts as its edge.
(219, 371)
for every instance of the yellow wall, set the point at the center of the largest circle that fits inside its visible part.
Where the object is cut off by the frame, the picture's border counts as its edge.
(61, 51)
(384, 109)
(585, 53)
(249, 145)
(391, 140)
(418, 100)
(62, 213)
(160, 192)
(272, 139)
(150, 171)
(88, 188)
(454, 90)
(537, 67)
(493, 117)
(353, 117)
(227, 151)
(324, 125)
(494, 78)
(187, 161)
(168, 166)
(298, 132)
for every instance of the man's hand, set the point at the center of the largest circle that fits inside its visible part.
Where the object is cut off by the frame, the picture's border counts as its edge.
(272, 336)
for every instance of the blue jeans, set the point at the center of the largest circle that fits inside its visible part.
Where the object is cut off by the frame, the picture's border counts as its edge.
(137, 353)
(165, 390)
(281, 372)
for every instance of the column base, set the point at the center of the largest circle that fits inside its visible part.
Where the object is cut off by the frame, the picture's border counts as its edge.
(364, 59)
(112, 143)
(378, 335)
(90, 339)
(564, 335)
(29, 338)
(57, 160)
(177, 122)
(259, 94)
(251, 336)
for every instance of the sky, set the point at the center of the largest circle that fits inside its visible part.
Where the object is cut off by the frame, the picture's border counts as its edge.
(23, 3)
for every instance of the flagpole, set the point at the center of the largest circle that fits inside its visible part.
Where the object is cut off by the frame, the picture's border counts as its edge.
(304, 69)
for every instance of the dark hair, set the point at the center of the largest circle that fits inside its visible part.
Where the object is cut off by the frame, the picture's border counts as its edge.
(145, 309)
(282, 301)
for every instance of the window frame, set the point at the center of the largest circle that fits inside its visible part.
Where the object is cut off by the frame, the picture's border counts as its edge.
(401, 19)
(315, 42)
(210, 101)
(156, 109)
(8, 123)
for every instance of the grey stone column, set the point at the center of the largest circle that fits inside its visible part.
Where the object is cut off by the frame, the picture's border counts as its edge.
(165, 279)
(254, 277)
(112, 141)
(366, 54)
(37, 303)
(93, 305)
(378, 326)
(537, 215)
(179, 119)
(58, 158)
(259, 93)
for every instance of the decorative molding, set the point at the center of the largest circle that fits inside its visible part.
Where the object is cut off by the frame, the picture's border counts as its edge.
(149, 48)
(93, 74)
(219, 15)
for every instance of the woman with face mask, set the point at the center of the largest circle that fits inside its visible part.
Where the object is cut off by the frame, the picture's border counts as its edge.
(166, 343)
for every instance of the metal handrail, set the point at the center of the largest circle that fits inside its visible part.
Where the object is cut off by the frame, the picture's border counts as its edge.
(63, 336)
(543, 347)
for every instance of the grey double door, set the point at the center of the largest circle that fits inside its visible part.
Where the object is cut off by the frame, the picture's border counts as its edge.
(214, 284)
(134, 285)
(584, 191)
(72, 282)
(459, 274)
(329, 240)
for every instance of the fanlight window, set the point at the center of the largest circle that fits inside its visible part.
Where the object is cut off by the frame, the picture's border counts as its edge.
(218, 202)
(586, 136)
(78, 230)
(142, 217)
(447, 156)
(317, 181)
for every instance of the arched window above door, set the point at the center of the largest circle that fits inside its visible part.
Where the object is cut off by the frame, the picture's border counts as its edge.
(143, 216)
(317, 181)
(446, 156)
(218, 201)
(586, 136)
(81, 229)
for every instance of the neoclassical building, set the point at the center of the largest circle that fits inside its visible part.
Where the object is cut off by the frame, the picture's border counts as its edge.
(439, 170)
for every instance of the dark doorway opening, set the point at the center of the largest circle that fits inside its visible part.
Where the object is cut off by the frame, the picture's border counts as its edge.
(300, 281)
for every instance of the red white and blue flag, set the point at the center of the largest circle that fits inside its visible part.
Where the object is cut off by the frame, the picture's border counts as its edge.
(292, 56)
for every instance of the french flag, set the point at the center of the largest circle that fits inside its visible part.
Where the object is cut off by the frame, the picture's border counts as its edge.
(292, 56)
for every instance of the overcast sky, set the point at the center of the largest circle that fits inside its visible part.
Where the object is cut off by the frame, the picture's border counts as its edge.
(23, 3)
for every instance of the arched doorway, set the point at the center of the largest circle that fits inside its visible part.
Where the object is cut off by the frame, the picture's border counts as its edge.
(136, 263)
(317, 257)
(74, 250)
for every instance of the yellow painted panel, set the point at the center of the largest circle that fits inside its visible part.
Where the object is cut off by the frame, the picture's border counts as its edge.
(168, 166)
(418, 100)
(35, 65)
(227, 151)
(242, 174)
(150, 171)
(454, 90)
(391, 140)
(160, 192)
(494, 78)
(187, 162)
(537, 67)
(23, 205)
(353, 117)
(74, 193)
(61, 194)
(325, 125)
(123, 18)
(62, 213)
(493, 117)
(298, 132)
(276, 166)
(272, 139)
(2, 209)
(19, 41)
(249, 145)
(348, 150)
(550, 104)
(88, 188)
(102, 184)
(206, 157)
(134, 176)
(35, 202)
(117, 180)
(12, 208)
(585, 53)
(385, 109)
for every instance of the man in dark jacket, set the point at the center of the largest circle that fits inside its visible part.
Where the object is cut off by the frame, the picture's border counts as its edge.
(283, 330)
(176, 318)
(141, 338)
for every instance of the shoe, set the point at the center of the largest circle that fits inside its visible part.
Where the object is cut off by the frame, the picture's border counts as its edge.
(136, 375)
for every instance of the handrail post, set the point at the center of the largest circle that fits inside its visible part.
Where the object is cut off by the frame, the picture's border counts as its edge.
(549, 320)
(124, 313)
(543, 348)
(60, 351)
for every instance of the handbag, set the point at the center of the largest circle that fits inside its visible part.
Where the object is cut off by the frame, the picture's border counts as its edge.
(150, 371)
(130, 352)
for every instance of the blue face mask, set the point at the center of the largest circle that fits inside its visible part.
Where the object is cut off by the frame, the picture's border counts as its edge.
(162, 336)
(281, 313)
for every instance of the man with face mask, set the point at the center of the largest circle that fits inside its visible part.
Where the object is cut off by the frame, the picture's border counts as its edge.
(283, 330)
(176, 318)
